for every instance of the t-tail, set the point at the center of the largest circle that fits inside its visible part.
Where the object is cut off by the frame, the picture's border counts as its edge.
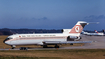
(78, 27)
(76, 30)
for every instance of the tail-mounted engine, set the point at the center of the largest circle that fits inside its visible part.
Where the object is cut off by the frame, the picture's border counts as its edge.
(73, 38)
(66, 30)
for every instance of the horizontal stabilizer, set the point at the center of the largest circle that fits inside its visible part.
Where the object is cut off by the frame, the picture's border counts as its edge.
(93, 22)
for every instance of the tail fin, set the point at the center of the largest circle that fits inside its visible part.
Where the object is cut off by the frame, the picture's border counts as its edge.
(104, 31)
(96, 31)
(78, 27)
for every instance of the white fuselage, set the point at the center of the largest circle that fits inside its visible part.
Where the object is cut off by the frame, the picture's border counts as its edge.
(27, 39)
(96, 34)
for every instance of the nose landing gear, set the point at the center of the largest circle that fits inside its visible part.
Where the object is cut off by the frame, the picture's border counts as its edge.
(13, 46)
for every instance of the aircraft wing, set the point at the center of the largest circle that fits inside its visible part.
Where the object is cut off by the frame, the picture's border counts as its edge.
(65, 42)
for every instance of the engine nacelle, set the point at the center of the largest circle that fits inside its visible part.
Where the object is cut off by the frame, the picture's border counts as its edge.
(66, 30)
(75, 37)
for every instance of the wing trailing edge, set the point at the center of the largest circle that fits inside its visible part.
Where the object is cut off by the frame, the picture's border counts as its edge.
(64, 42)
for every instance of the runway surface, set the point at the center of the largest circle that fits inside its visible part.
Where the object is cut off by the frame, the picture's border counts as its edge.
(98, 44)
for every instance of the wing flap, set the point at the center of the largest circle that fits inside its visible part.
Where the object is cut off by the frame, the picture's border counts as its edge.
(65, 42)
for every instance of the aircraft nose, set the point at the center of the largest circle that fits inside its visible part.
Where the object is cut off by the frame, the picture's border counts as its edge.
(4, 41)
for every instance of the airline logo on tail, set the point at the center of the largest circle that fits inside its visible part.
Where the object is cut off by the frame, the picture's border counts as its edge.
(96, 31)
(78, 27)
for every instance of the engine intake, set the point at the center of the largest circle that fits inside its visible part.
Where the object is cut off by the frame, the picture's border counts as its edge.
(75, 37)
(66, 30)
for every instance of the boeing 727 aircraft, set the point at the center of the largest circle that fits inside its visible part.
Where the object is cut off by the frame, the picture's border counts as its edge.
(69, 36)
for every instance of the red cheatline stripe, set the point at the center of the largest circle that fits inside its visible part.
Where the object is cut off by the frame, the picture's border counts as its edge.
(28, 38)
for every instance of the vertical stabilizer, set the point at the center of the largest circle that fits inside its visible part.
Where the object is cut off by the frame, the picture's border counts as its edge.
(78, 27)
(96, 31)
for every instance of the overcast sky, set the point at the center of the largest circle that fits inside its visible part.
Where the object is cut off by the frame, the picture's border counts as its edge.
(51, 14)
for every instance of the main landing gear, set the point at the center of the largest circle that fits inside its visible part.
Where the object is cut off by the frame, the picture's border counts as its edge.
(71, 43)
(45, 46)
(23, 48)
(56, 46)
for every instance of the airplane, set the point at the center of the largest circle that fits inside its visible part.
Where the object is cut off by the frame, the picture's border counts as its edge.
(93, 34)
(100, 33)
(69, 36)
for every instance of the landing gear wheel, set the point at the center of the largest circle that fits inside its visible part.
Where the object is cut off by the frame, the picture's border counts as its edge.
(56, 46)
(44, 46)
(13, 47)
(71, 43)
(23, 48)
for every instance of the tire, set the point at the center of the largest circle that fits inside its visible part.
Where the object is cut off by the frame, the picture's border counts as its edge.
(44, 46)
(23, 48)
(13, 47)
(71, 43)
(56, 46)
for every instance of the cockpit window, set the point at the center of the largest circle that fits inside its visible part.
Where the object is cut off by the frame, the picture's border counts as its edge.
(7, 39)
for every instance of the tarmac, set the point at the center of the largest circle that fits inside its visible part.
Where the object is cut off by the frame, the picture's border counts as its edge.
(98, 43)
